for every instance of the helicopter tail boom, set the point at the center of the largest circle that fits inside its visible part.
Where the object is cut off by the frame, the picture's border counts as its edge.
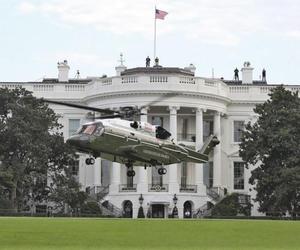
(209, 144)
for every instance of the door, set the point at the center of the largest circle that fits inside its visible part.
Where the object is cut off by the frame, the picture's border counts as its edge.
(158, 211)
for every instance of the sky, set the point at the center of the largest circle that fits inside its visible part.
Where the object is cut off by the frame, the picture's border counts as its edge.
(213, 35)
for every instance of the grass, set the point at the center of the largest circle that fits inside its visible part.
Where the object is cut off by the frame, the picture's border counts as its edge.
(68, 233)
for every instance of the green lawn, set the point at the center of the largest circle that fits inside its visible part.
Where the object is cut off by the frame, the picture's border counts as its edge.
(65, 233)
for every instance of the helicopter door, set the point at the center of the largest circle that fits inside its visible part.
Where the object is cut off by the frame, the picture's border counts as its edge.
(162, 133)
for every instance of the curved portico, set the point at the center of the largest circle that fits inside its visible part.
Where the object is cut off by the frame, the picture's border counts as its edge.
(190, 108)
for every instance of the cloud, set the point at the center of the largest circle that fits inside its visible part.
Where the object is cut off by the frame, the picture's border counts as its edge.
(224, 22)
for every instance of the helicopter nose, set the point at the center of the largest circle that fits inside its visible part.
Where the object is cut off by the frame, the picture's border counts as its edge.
(79, 141)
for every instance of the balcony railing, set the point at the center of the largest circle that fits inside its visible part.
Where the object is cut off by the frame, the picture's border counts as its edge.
(186, 137)
(127, 188)
(158, 188)
(188, 188)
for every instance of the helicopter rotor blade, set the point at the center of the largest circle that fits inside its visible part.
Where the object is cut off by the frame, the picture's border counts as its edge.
(108, 117)
(73, 105)
(161, 98)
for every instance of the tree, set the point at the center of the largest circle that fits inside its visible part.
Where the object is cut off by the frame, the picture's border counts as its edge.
(32, 149)
(231, 206)
(272, 145)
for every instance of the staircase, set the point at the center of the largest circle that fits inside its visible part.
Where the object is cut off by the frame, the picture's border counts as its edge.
(203, 211)
(98, 193)
(110, 209)
(216, 194)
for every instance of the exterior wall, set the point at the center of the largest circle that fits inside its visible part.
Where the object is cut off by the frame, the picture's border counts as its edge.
(214, 98)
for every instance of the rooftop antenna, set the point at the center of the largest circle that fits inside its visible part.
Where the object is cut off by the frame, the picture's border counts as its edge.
(121, 59)
(212, 73)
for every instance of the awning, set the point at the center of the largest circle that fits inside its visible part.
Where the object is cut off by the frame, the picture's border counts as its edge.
(159, 203)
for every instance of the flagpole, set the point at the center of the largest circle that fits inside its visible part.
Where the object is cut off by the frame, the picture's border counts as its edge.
(154, 34)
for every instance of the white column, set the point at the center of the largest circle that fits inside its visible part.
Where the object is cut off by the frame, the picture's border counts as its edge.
(173, 169)
(142, 172)
(115, 177)
(82, 172)
(97, 172)
(201, 189)
(217, 151)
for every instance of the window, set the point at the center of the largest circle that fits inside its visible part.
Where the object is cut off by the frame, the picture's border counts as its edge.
(208, 174)
(157, 179)
(238, 127)
(75, 167)
(74, 124)
(157, 120)
(183, 174)
(208, 129)
(238, 175)
(130, 179)
(184, 129)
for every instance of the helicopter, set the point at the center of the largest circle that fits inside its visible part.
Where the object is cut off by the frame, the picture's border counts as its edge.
(119, 138)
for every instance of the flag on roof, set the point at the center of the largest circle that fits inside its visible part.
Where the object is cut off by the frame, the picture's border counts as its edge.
(160, 14)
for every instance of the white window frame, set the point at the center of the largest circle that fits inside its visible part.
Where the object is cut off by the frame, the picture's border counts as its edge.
(233, 131)
(233, 177)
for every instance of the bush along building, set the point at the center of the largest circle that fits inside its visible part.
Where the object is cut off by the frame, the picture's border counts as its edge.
(204, 106)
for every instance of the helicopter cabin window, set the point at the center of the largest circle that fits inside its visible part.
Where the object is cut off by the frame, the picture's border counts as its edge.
(95, 128)
(73, 126)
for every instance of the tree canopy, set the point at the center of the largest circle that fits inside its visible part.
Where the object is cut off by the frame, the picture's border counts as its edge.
(32, 151)
(271, 144)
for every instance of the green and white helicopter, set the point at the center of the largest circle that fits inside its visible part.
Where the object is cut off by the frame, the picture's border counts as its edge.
(118, 138)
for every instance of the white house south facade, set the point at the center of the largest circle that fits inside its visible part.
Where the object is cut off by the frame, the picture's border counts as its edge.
(199, 107)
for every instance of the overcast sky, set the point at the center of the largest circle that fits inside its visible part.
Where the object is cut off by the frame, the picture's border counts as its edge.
(90, 34)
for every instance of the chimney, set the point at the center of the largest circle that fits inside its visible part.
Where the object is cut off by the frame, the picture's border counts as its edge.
(63, 71)
(247, 73)
(191, 68)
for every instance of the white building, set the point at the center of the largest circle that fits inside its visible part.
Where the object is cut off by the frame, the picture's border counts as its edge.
(204, 106)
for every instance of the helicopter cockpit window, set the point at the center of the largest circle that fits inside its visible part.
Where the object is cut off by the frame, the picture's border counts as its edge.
(96, 128)
(162, 133)
(90, 129)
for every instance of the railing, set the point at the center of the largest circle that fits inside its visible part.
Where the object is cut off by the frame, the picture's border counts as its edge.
(43, 87)
(98, 192)
(188, 189)
(127, 188)
(109, 207)
(11, 85)
(158, 78)
(213, 193)
(239, 89)
(107, 81)
(186, 137)
(187, 80)
(74, 87)
(158, 188)
(216, 193)
(129, 79)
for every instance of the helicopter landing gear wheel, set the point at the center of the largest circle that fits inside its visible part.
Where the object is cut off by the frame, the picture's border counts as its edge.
(90, 161)
(162, 171)
(130, 173)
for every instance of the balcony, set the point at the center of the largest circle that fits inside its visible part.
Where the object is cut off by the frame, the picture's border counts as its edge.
(158, 188)
(188, 189)
(127, 188)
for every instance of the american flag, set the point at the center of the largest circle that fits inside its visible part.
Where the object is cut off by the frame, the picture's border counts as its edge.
(160, 14)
